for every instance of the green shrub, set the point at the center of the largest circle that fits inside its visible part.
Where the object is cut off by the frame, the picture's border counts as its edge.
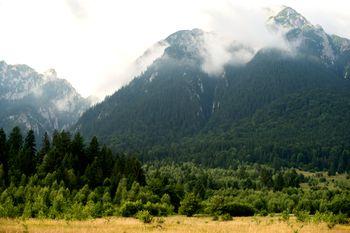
(340, 204)
(226, 217)
(144, 216)
(158, 209)
(238, 209)
(263, 213)
(340, 219)
(129, 208)
(302, 216)
(330, 218)
(77, 212)
(218, 205)
(285, 215)
(189, 205)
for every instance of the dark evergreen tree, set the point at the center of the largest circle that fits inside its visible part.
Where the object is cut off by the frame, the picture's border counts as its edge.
(278, 181)
(107, 161)
(45, 148)
(15, 145)
(93, 150)
(266, 177)
(28, 154)
(79, 153)
(3, 150)
(94, 173)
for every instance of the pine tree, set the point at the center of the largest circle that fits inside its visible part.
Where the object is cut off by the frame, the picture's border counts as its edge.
(15, 145)
(45, 148)
(189, 205)
(15, 140)
(78, 151)
(107, 161)
(107, 204)
(94, 173)
(135, 170)
(3, 147)
(122, 191)
(134, 191)
(50, 163)
(278, 181)
(93, 149)
(28, 154)
(3, 155)
(2, 176)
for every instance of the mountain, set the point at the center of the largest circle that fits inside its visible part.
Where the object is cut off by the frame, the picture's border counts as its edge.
(166, 99)
(42, 102)
(313, 40)
(289, 107)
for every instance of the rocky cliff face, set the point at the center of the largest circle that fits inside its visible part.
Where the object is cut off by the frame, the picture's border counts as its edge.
(42, 102)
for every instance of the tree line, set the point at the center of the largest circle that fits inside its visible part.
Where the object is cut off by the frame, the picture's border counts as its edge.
(67, 178)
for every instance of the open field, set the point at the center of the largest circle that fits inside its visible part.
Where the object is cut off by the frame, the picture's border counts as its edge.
(174, 224)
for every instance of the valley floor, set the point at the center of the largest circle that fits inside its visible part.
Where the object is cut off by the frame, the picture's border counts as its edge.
(174, 224)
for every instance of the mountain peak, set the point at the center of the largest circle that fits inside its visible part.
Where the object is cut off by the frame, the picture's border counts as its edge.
(43, 101)
(50, 74)
(184, 34)
(186, 38)
(185, 43)
(287, 17)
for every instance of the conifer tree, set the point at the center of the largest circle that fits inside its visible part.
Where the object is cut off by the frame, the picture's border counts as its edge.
(15, 145)
(93, 149)
(28, 154)
(45, 148)
(3, 147)
(78, 151)
(3, 156)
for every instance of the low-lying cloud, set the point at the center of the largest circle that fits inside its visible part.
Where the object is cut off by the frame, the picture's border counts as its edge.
(136, 68)
(235, 35)
(218, 51)
(238, 34)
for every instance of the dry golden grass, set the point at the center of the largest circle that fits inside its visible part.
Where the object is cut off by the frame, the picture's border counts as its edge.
(175, 224)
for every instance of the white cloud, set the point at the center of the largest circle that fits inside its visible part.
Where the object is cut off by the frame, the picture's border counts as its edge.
(91, 43)
(77, 8)
(241, 27)
(135, 68)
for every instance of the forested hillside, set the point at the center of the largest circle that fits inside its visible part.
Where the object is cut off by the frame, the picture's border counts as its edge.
(284, 106)
(66, 178)
(275, 103)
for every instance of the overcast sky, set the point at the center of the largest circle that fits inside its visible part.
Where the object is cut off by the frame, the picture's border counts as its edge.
(92, 42)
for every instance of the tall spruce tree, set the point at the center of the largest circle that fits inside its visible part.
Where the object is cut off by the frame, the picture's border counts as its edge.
(45, 148)
(78, 151)
(28, 154)
(3, 148)
(93, 149)
(15, 143)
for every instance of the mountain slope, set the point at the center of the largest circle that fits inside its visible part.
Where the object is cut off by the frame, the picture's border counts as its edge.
(176, 110)
(313, 40)
(41, 102)
(171, 99)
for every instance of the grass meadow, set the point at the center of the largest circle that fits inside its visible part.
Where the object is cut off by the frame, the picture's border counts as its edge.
(173, 224)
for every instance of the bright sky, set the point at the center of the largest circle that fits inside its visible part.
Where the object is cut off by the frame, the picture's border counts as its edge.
(92, 42)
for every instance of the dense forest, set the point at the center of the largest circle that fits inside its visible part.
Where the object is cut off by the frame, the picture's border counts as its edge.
(68, 179)
(278, 109)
